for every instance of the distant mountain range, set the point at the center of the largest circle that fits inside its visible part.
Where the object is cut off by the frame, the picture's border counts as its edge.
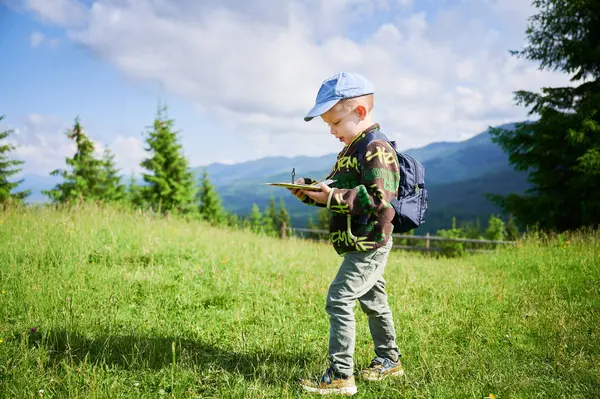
(457, 175)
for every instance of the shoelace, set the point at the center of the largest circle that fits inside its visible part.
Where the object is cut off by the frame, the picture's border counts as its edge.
(327, 377)
(381, 361)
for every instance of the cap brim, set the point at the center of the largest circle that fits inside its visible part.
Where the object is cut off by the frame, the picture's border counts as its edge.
(320, 109)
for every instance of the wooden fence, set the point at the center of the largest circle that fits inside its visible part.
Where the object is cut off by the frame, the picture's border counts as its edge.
(427, 238)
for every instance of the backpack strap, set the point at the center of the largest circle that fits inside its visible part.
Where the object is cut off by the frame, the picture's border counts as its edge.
(361, 149)
(362, 145)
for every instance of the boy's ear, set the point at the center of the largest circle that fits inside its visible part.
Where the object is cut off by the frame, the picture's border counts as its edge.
(361, 111)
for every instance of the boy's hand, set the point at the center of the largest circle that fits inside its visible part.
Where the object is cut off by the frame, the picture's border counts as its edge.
(320, 197)
(300, 194)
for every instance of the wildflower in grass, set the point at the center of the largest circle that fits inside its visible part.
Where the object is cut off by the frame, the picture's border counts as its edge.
(41, 392)
(33, 330)
(1, 340)
(68, 299)
(3, 292)
(491, 396)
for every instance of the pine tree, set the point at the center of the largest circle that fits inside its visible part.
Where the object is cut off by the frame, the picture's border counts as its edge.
(511, 229)
(561, 150)
(323, 215)
(310, 224)
(255, 219)
(210, 207)
(495, 229)
(318, 225)
(284, 216)
(7, 169)
(451, 248)
(84, 180)
(232, 219)
(112, 188)
(322, 223)
(270, 218)
(472, 229)
(170, 185)
(134, 195)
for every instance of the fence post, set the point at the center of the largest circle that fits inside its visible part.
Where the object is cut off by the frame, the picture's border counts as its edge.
(283, 230)
(427, 242)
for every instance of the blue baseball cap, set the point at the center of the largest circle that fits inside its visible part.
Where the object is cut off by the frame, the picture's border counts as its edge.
(340, 86)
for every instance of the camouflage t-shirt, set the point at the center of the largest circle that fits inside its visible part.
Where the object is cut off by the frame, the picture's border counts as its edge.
(361, 213)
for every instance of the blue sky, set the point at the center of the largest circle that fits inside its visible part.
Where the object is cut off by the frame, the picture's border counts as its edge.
(239, 76)
(61, 80)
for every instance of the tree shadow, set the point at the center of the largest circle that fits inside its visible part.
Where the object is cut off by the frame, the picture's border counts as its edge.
(137, 353)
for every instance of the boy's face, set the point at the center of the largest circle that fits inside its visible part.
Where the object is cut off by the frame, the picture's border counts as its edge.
(343, 124)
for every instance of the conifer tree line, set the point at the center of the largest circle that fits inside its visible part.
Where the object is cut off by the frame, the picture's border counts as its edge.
(167, 185)
(560, 150)
(8, 168)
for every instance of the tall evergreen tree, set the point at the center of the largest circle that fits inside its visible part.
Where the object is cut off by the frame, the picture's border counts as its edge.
(255, 219)
(270, 217)
(112, 188)
(9, 168)
(511, 229)
(323, 216)
(170, 185)
(451, 248)
(134, 193)
(472, 229)
(84, 180)
(210, 203)
(284, 216)
(495, 230)
(561, 150)
(322, 223)
(232, 219)
(310, 224)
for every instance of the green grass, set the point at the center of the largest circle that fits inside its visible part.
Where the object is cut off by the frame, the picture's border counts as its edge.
(129, 305)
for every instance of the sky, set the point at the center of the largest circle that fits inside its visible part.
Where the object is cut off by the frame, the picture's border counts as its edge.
(238, 76)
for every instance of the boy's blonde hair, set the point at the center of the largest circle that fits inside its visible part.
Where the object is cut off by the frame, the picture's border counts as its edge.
(348, 104)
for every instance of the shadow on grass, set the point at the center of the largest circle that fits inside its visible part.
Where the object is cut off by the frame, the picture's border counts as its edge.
(154, 353)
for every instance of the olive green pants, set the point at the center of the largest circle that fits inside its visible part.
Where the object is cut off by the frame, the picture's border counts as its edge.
(360, 277)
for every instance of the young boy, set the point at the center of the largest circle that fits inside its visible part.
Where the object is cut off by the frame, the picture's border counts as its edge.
(360, 230)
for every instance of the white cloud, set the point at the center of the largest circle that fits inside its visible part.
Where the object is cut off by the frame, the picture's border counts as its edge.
(59, 12)
(40, 142)
(519, 10)
(129, 153)
(255, 67)
(405, 3)
(36, 39)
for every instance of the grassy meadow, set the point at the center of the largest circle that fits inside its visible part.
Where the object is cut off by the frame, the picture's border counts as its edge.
(106, 303)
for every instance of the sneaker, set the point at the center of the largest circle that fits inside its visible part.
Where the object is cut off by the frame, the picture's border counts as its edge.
(380, 368)
(330, 384)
